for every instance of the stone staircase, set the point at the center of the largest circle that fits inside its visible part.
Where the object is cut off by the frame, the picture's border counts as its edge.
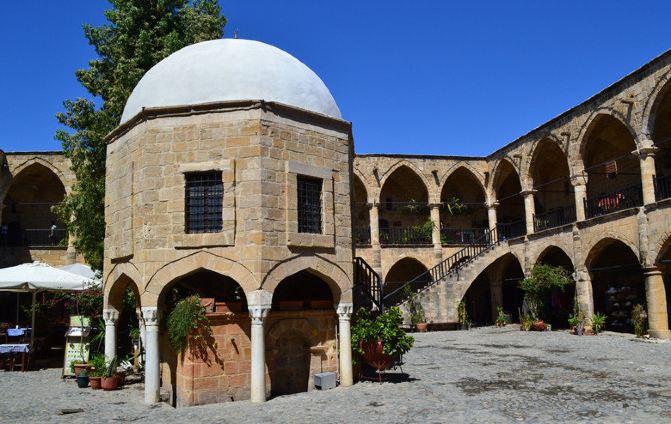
(440, 299)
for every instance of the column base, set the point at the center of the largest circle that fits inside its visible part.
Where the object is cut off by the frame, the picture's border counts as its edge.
(660, 334)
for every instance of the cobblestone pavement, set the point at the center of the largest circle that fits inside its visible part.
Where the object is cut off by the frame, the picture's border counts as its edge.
(483, 375)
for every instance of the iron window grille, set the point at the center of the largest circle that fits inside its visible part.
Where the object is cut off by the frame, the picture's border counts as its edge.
(309, 204)
(204, 201)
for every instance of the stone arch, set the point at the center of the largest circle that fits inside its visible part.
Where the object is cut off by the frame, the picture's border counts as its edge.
(16, 170)
(194, 262)
(414, 169)
(662, 247)
(617, 281)
(477, 175)
(658, 132)
(116, 281)
(507, 189)
(547, 250)
(651, 106)
(468, 224)
(597, 246)
(532, 158)
(404, 270)
(364, 182)
(576, 153)
(27, 201)
(336, 278)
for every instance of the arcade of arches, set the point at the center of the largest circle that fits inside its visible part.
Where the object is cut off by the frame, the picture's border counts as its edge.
(589, 191)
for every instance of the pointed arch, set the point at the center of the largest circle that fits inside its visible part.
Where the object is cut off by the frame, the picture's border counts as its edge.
(661, 89)
(412, 168)
(17, 169)
(194, 262)
(337, 279)
(477, 175)
(577, 153)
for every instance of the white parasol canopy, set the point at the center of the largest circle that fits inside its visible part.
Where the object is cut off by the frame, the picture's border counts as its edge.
(38, 276)
(81, 269)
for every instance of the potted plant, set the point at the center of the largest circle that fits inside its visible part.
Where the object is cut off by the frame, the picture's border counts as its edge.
(639, 317)
(98, 366)
(83, 379)
(462, 315)
(577, 323)
(380, 340)
(538, 285)
(598, 322)
(78, 365)
(109, 379)
(501, 317)
(416, 310)
(526, 323)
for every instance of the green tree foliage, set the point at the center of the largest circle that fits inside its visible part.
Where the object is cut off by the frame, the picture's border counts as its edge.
(138, 34)
(542, 280)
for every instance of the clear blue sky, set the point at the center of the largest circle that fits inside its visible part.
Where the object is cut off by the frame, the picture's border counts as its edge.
(424, 77)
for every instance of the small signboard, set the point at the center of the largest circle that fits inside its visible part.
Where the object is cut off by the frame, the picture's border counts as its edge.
(76, 343)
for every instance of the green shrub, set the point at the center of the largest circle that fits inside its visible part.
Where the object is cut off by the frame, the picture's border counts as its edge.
(598, 322)
(415, 307)
(542, 280)
(186, 319)
(639, 317)
(385, 327)
(98, 364)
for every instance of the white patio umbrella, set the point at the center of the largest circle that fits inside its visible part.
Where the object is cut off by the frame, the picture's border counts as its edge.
(82, 270)
(38, 276)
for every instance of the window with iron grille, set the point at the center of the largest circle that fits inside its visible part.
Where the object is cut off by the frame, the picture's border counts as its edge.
(309, 204)
(204, 199)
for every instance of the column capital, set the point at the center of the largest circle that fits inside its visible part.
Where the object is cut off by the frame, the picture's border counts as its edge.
(150, 315)
(528, 192)
(578, 180)
(651, 270)
(344, 310)
(435, 205)
(258, 313)
(645, 152)
(111, 316)
(493, 205)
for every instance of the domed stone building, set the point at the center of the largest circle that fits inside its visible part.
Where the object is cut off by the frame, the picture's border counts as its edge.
(229, 177)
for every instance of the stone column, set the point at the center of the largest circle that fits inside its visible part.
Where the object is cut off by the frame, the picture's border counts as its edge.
(346, 375)
(655, 294)
(529, 209)
(111, 316)
(583, 292)
(491, 214)
(647, 158)
(258, 314)
(71, 253)
(152, 377)
(435, 233)
(579, 183)
(374, 219)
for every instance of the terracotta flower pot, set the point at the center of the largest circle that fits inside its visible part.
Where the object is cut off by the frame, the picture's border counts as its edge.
(373, 354)
(109, 383)
(79, 367)
(539, 325)
(95, 382)
(422, 327)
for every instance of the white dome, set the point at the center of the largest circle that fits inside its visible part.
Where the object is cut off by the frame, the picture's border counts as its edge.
(230, 69)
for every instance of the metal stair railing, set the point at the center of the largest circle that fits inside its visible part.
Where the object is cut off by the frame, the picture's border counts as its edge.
(369, 282)
(448, 266)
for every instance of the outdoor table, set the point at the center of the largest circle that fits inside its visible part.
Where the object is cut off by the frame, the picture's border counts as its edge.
(18, 332)
(11, 349)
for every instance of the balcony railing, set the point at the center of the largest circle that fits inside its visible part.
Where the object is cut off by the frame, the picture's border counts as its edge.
(405, 207)
(457, 236)
(508, 230)
(662, 187)
(626, 198)
(34, 238)
(404, 236)
(361, 236)
(554, 218)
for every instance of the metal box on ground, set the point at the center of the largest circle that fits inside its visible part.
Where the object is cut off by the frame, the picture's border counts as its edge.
(325, 380)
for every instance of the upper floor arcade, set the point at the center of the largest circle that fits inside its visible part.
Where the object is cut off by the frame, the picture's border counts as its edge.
(609, 154)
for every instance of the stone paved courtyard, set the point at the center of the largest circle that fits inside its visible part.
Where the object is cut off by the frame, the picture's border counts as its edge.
(482, 375)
